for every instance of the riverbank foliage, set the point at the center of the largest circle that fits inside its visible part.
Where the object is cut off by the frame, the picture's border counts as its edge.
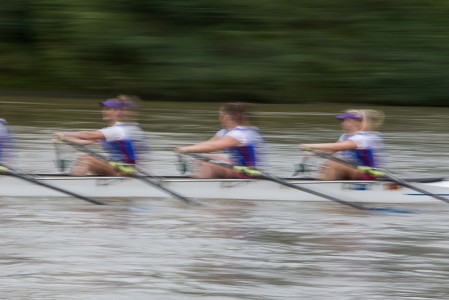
(372, 51)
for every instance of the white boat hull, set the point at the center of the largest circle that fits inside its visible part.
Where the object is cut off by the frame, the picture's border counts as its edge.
(224, 189)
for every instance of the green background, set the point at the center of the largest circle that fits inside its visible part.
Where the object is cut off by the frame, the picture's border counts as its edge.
(292, 51)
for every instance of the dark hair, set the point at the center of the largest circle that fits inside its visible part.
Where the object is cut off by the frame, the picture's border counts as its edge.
(239, 111)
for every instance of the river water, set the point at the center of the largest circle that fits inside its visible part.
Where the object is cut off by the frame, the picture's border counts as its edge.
(70, 249)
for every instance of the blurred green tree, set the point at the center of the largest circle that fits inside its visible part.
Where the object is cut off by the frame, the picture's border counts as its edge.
(372, 51)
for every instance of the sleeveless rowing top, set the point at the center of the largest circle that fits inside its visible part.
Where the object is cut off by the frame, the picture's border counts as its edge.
(118, 144)
(7, 142)
(251, 150)
(139, 140)
(370, 150)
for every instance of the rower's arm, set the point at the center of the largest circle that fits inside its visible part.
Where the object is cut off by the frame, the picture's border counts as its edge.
(81, 137)
(335, 147)
(210, 146)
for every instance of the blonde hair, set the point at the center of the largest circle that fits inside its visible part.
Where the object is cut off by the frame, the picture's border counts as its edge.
(129, 102)
(371, 119)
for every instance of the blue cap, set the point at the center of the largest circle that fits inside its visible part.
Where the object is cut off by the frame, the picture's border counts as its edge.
(111, 103)
(349, 116)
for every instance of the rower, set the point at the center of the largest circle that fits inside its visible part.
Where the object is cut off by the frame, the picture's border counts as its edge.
(242, 142)
(129, 119)
(359, 145)
(7, 143)
(114, 139)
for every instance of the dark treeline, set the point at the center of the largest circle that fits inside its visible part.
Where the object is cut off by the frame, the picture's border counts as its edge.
(369, 51)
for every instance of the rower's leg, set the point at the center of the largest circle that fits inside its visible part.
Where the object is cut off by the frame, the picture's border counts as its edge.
(81, 166)
(89, 165)
(337, 171)
(206, 170)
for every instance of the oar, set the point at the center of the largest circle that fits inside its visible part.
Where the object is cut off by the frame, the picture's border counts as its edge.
(8, 171)
(148, 179)
(380, 173)
(251, 172)
(14, 173)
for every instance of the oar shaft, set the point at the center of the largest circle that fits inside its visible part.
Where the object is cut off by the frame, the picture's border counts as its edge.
(301, 188)
(41, 183)
(156, 184)
(263, 175)
(415, 188)
(384, 174)
(148, 179)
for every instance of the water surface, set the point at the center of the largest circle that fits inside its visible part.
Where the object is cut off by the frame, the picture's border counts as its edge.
(70, 249)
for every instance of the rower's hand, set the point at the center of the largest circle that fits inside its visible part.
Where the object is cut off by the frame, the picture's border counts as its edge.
(58, 136)
(305, 147)
(306, 150)
(66, 136)
(179, 150)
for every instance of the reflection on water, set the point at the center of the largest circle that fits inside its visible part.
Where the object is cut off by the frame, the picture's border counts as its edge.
(241, 251)
(70, 249)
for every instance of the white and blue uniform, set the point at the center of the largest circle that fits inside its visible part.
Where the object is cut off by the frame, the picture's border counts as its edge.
(140, 142)
(118, 144)
(7, 143)
(252, 149)
(370, 150)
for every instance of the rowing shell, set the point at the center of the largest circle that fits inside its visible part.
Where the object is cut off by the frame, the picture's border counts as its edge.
(226, 189)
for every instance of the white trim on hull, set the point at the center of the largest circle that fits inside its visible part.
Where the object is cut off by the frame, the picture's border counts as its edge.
(227, 189)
